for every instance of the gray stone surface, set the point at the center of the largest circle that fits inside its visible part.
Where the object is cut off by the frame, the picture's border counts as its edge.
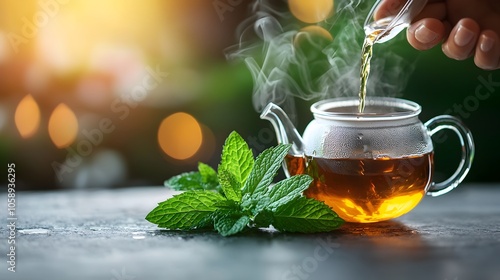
(102, 234)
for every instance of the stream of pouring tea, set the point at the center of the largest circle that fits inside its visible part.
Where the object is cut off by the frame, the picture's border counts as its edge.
(366, 56)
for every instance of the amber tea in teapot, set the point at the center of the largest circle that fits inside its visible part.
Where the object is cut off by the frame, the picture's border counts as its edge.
(366, 190)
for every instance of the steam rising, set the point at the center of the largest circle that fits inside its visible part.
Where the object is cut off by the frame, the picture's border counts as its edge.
(287, 64)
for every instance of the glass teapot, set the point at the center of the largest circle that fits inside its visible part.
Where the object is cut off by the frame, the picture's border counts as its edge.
(373, 166)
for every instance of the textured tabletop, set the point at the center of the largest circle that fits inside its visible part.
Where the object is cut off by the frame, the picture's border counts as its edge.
(102, 234)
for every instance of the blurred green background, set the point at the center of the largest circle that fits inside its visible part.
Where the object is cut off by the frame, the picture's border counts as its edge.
(127, 93)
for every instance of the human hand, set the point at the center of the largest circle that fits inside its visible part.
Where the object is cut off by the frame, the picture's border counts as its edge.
(464, 27)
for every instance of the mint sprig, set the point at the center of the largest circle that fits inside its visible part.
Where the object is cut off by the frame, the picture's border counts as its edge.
(239, 196)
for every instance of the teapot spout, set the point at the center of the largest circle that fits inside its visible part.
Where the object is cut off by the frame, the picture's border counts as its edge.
(284, 128)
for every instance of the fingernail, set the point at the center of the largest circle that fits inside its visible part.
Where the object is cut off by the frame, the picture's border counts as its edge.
(463, 36)
(424, 35)
(487, 43)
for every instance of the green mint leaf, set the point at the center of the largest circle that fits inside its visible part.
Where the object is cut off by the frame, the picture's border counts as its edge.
(260, 203)
(237, 158)
(191, 181)
(230, 222)
(228, 205)
(305, 215)
(207, 173)
(265, 169)
(188, 210)
(255, 204)
(185, 182)
(230, 185)
(287, 190)
(264, 219)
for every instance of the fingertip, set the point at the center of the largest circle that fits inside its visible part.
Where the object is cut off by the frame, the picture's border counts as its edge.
(426, 33)
(487, 55)
(462, 41)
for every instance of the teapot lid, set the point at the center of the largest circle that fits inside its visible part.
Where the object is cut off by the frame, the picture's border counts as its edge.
(377, 109)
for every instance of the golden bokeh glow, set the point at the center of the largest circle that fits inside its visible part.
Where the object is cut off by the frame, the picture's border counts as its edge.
(311, 11)
(27, 116)
(63, 126)
(312, 36)
(314, 31)
(60, 44)
(180, 136)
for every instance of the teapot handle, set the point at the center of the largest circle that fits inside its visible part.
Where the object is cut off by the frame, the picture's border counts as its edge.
(467, 144)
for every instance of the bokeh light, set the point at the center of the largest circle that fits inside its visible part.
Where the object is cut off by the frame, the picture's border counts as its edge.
(313, 31)
(59, 43)
(63, 126)
(311, 11)
(180, 136)
(96, 57)
(27, 116)
(3, 47)
(312, 39)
